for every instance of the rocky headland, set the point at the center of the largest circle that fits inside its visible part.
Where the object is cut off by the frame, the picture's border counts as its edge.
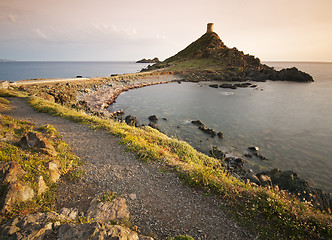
(144, 60)
(208, 58)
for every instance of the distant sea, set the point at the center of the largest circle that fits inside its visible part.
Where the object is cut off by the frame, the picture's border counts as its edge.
(21, 70)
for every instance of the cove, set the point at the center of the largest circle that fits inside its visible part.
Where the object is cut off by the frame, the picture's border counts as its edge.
(290, 122)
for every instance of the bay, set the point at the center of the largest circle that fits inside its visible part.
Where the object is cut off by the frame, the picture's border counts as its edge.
(290, 122)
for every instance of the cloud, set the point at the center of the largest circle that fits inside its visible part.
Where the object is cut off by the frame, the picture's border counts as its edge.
(12, 18)
(40, 34)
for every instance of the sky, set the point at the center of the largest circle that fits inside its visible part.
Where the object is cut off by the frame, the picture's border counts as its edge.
(129, 30)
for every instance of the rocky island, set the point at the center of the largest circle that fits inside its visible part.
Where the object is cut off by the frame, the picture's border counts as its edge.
(208, 58)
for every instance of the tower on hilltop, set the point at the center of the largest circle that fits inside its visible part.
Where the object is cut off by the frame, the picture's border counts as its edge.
(209, 28)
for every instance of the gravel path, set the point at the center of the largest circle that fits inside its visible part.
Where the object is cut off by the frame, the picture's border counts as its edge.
(160, 205)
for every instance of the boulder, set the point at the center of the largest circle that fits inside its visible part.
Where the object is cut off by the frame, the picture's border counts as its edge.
(209, 131)
(10, 172)
(55, 168)
(35, 140)
(264, 180)
(290, 181)
(220, 135)
(153, 118)
(214, 85)
(154, 125)
(15, 192)
(42, 187)
(31, 226)
(252, 148)
(197, 123)
(131, 120)
(106, 211)
(293, 74)
(251, 176)
(217, 153)
(95, 230)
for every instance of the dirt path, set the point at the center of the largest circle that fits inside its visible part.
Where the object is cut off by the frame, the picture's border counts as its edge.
(159, 203)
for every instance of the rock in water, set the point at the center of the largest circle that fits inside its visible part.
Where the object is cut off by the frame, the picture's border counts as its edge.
(290, 181)
(153, 118)
(131, 120)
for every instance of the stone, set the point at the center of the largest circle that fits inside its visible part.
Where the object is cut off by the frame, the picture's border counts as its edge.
(31, 226)
(290, 181)
(214, 85)
(68, 214)
(46, 96)
(132, 196)
(154, 125)
(220, 135)
(106, 211)
(15, 192)
(197, 122)
(253, 148)
(260, 156)
(35, 140)
(42, 187)
(95, 230)
(4, 84)
(248, 155)
(10, 172)
(217, 153)
(209, 131)
(131, 120)
(54, 168)
(264, 180)
(251, 176)
(153, 118)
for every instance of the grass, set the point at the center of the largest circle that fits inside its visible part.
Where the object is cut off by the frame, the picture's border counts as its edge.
(181, 237)
(33, 162)
(270, 213)
(108, 197)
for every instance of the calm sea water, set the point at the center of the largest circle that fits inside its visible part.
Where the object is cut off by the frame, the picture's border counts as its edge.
(14, 71)
(290, 122)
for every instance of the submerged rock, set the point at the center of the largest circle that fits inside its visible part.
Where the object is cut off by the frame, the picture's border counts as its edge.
(197, 122)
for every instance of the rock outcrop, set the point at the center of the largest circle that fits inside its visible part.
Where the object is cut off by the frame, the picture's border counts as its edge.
(35, 140)
(144, 60)
(290, 181)
(68, 224)
(12, 189)
(209, 58)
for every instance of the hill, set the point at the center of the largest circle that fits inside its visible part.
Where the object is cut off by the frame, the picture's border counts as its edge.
(208, 58)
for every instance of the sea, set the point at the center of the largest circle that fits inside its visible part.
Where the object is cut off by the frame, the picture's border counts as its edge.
(290, 122)
(21, 70)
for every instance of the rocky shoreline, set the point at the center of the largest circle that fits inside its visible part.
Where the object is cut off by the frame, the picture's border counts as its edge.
(96, 97)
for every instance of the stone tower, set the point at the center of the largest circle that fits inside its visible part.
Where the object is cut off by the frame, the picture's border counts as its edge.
(209, 28)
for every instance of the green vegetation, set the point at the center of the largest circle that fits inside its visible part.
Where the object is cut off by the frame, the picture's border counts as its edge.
(272, 214)
(108, 197)
(181, 237)
(33, 162)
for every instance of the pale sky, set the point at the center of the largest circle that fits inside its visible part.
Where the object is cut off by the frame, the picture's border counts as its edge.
(121, 30)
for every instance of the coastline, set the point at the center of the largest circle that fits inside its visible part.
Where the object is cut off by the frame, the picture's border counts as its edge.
(229, 188)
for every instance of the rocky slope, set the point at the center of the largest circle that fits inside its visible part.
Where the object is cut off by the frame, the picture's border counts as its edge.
(208, 58)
